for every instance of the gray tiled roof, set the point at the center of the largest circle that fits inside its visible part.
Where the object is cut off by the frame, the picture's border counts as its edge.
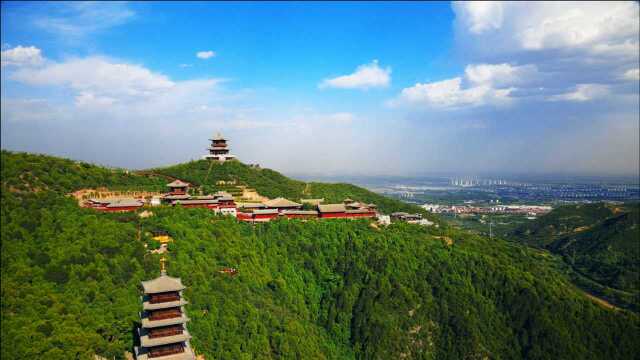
(358, 211)
(251, 205)
(197, 201)
(163, 283)
(146, 341)
(281, 203)
(163, 305)
(177, 183)
(124, 203)
(265, 211)
(165, 322)
(100, 201)
(300, 212)
(329, 208)
(177, 197)
(143, 354)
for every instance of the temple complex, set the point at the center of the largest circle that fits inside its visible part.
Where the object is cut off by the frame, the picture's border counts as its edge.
(219, 150)
(163, 334)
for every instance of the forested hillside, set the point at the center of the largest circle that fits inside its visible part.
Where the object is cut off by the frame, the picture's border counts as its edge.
(33, 173)
(600, 241)
(309, 290)
(273, 184)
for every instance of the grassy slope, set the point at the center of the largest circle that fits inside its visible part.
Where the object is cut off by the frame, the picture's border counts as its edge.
(273, 184)
(321, 289)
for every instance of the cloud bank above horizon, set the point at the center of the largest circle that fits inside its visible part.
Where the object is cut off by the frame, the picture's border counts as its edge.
(522, 87)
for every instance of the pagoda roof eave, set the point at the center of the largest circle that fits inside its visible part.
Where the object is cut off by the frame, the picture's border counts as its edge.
(146, 323)
(163, 283)
(142, 354)
(146, 341)
(163, 305)
(178, 184)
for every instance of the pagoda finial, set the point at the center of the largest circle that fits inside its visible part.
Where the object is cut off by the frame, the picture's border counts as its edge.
(163, 270)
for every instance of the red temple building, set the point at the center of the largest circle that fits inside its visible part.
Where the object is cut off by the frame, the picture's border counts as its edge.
(300, 214)
(178, 187)
(281, 204)
(219, 150)
(342, 211)
(163, 334)
(220, 202)
(260, 215)
(281, 208)
(332, 211)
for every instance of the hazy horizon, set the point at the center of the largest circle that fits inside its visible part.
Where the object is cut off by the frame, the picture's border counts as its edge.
(340, 176)
(308, 89)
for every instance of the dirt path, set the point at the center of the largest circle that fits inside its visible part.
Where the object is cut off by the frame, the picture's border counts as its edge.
(599, 301)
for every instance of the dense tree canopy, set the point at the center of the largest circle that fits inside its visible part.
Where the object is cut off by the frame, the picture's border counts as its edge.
(317, 289)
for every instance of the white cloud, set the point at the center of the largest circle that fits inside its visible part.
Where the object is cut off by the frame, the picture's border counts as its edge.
(548, 51)
(22, 56)
(595, 26)
(318, 119)
(480, 16)
(632, 74)
(185, 65)
(450, 94)
(77, 19)
(366, 76)
(98, 76)
(205, 54)
(246, 125)
(483, 84)
(340, 118)
(91, 101)
(30, 110)
(583, 92)
(500, 75)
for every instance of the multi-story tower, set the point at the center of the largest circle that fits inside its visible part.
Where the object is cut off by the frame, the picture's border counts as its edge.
(178, 187)
(163, 334)
(219, 149)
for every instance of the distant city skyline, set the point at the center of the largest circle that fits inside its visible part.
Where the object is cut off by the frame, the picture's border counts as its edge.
(373, 89)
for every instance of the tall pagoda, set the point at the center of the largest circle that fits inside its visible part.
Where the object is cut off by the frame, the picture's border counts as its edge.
(219, 150)
(163, 334)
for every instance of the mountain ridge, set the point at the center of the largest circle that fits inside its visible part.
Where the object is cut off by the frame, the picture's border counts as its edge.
(600, 241)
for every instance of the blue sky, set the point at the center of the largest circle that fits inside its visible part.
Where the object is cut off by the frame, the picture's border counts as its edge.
(327, 88)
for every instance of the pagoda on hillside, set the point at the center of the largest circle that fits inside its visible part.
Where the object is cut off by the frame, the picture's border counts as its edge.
(163, 334)
(219, 149)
